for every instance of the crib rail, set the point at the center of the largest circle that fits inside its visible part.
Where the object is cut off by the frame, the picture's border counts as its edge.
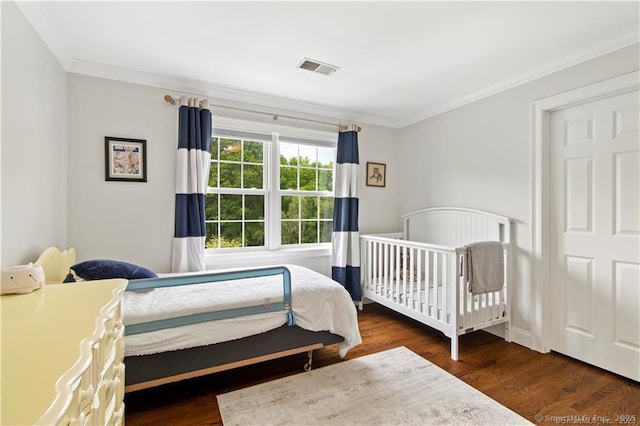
(428, 283)
(415, 276)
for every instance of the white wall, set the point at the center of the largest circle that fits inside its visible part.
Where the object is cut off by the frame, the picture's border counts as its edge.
(34, 148)
(134, 221)
(479, 156)
(129, 221)
(379, 206)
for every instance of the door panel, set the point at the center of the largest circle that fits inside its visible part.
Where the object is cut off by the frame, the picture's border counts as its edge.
(595, 233)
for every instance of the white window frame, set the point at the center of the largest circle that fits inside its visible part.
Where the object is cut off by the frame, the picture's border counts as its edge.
(245, 129)
(302, 193)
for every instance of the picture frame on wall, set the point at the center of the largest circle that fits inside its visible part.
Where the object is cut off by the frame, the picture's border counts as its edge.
(376, 174)
(125, 159)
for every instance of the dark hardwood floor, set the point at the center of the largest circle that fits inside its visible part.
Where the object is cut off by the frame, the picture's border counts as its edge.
(544, 388)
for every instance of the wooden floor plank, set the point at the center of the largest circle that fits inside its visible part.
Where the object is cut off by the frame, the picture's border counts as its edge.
(537, 386)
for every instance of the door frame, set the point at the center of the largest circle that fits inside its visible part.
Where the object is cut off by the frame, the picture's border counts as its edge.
(540, 197)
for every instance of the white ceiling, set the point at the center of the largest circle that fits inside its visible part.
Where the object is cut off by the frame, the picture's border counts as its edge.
(400, 62)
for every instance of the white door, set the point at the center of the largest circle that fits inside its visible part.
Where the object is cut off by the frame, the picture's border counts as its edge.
(595, 233)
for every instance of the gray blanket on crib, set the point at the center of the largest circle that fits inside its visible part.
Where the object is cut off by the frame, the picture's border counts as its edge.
(485, 267)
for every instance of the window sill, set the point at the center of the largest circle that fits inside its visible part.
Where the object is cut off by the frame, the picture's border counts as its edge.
(233, 259)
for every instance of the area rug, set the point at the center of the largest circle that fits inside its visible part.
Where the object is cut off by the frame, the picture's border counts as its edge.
(394, 387)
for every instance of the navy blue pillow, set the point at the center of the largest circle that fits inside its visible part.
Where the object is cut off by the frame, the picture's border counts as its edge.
(103, 269)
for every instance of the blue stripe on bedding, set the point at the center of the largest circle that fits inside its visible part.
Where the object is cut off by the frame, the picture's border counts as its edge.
(179, 280)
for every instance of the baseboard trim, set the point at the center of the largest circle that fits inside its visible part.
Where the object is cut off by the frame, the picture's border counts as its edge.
(521, 337)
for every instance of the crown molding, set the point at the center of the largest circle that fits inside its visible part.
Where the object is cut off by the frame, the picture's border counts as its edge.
(47, 31)
(610, 44)
(223, 95)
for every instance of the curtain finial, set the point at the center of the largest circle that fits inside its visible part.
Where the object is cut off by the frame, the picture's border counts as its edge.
(349, 127)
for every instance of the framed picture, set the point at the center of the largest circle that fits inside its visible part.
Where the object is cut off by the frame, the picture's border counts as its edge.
(376, 174)
(125, 159)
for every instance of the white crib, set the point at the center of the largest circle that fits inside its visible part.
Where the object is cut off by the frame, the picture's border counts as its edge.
(422, 272)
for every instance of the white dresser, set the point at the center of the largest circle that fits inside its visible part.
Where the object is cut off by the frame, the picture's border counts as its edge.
(62, 353)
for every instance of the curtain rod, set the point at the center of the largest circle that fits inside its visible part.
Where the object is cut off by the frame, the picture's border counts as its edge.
(173, 101)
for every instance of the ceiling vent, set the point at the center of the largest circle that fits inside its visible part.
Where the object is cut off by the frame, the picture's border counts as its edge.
(317, 66)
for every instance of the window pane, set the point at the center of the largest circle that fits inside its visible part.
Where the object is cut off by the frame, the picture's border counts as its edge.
(325, 180)
(253, 176)
(309, 207)
(288, 153)
(213, 175)
(309, 232)
(254, 207)
(230, 207)
(254, 234)
(290, 233)
(230, 175)
(308, 179)
(326, 207)
(253, 152)
(288, 178)
(289, 207)
(325, 158)
(230, 149)
(212, 235)
(211, 207)
(326, 230)
(230, 234)
(308, 155)
(214, 148)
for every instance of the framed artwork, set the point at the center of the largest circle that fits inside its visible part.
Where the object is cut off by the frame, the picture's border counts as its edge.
(125, 159)
(376, 174)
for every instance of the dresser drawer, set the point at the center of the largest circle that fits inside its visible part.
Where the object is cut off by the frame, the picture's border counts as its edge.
(104, 406)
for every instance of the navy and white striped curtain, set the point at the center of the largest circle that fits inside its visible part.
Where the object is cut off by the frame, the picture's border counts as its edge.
(192, 176)
(345, 259)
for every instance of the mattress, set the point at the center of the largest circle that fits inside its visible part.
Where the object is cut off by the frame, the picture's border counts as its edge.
(319, 304)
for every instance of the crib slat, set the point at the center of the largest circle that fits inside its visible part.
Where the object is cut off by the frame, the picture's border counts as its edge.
(420, 279)
(396, 281)
(374, 267)
(465, 294)
(385, 270)
(445, 281)
(428, 283)
(403, 291)
(436, 287)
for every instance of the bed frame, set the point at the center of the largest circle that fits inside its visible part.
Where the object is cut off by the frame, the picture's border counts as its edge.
(147, 371)
(399, 271)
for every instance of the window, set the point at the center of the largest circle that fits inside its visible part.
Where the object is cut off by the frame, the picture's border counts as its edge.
(306, 185)
(243, 209)
(236, 193)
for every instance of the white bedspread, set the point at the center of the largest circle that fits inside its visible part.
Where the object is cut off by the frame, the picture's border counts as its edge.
(319, 303)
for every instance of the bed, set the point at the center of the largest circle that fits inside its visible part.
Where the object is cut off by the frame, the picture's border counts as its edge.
(180, 326)
(424, 271)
